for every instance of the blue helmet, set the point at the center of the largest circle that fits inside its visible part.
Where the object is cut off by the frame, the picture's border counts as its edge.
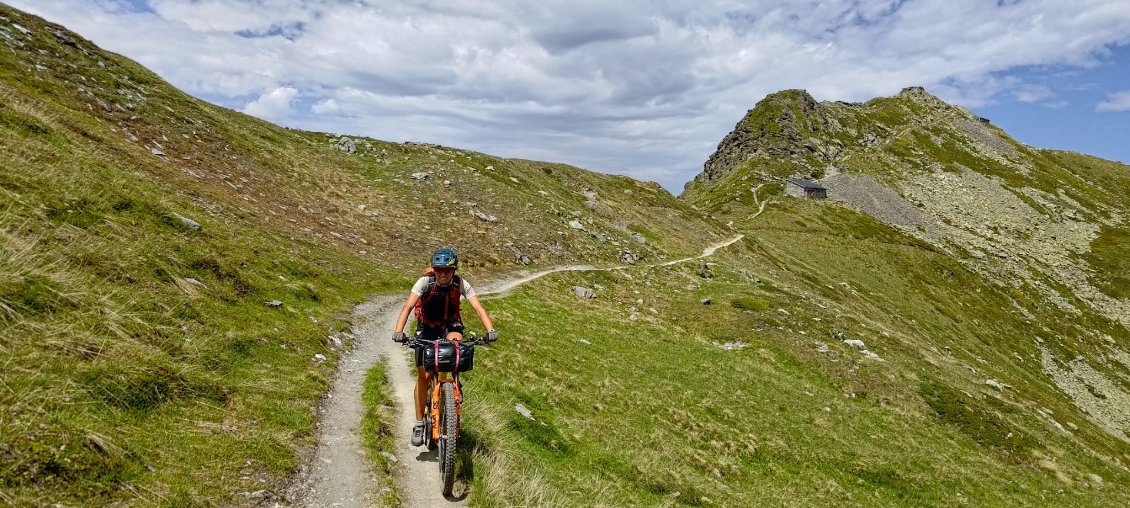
(445, 257)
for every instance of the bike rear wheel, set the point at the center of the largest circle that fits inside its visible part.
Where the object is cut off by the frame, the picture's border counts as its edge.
(448, 423)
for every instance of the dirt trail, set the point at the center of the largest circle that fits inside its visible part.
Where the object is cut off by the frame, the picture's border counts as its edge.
(340, 475)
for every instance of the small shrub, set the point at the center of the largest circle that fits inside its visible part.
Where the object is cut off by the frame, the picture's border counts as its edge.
(976, 420)
(750, 303)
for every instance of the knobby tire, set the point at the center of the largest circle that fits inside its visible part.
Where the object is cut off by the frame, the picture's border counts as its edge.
(447, 440)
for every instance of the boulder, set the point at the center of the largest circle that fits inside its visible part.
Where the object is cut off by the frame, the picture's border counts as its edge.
(582, 292)
(346, 145)
(189, 223)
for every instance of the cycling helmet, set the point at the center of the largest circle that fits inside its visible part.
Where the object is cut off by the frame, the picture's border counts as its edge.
(445, 257)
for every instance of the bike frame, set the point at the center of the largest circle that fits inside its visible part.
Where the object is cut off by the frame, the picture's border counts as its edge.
(437, 381)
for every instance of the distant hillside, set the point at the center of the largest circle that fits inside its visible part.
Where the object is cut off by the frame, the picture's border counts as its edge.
(939, 172)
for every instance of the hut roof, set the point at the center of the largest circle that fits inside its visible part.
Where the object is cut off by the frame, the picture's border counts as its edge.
(805, 184)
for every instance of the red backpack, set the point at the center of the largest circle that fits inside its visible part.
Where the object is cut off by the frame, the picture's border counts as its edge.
(439, 306)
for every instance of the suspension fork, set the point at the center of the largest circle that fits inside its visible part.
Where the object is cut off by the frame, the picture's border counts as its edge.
(437, 386)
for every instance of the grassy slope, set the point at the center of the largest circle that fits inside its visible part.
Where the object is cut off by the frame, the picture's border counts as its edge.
(652, 411)
(123, 380)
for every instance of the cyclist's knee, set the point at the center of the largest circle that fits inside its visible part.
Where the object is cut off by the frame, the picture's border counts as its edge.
(455, 336)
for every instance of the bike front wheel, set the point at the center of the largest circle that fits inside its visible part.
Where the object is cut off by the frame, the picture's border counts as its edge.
(448, 424)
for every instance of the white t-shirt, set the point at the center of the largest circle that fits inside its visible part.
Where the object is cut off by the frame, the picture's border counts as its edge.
(422, 283)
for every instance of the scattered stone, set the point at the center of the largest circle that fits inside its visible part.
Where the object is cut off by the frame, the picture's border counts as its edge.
(583, 292)
(705, 301)
(189, 223)
(1072, 426)
(870, 355)
(996, 384)
(320, 357)
(543, 193)
(447, 183)
(335, 340)
(274, 304)
(389, 457)
(346, 145)
(638, 238)
(704, 270)
(576, 224)
(156, 151)
(524, 411)
(420, 175)
(855, 343)
(485, 217)
(730, 346)
(627, 258)
(194, 282)
(585, 342)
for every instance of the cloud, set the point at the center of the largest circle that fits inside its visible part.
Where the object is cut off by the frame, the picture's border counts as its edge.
(274, 105)
(634, 87)
(1117, 101)
(326, 107)
(1032, 93)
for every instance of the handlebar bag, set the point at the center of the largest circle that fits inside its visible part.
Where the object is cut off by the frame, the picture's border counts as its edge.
(445, 356)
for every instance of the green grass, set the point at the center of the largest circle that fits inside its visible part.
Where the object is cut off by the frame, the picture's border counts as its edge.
(377, 430)
(652, 412)
(1110, 258)
(141, 364)
(142, 367)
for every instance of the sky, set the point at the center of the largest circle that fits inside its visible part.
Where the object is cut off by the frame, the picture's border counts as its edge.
(645, 89)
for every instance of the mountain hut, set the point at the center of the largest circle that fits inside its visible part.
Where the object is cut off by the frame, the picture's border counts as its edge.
(805, 189)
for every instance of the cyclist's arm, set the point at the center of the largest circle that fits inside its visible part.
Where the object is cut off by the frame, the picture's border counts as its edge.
(482, 312)
(402, 320)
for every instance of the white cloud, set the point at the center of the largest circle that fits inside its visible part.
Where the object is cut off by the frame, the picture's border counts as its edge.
(1118, 101)
(326, 107)
(274, 105)
(1032, 93)
(627, 86)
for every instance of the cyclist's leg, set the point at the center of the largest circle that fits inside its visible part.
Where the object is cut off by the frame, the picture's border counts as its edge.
(454, 331)
(421, 392)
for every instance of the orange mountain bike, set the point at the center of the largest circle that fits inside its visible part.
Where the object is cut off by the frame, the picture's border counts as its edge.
(445, 360)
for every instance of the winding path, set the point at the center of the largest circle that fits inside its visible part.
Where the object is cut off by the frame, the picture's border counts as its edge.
(339, 474)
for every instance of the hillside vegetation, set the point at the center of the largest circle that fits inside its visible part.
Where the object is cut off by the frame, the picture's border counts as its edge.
(142, 233)
(952, 331)
(840, 362)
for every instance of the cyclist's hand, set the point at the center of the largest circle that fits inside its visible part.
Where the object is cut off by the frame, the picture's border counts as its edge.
(399, 337)
(492, 335)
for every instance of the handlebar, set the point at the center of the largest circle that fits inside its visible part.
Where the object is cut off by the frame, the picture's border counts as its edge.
(412, 342)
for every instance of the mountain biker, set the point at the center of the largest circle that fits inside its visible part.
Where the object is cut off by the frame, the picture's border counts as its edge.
(435, 301)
